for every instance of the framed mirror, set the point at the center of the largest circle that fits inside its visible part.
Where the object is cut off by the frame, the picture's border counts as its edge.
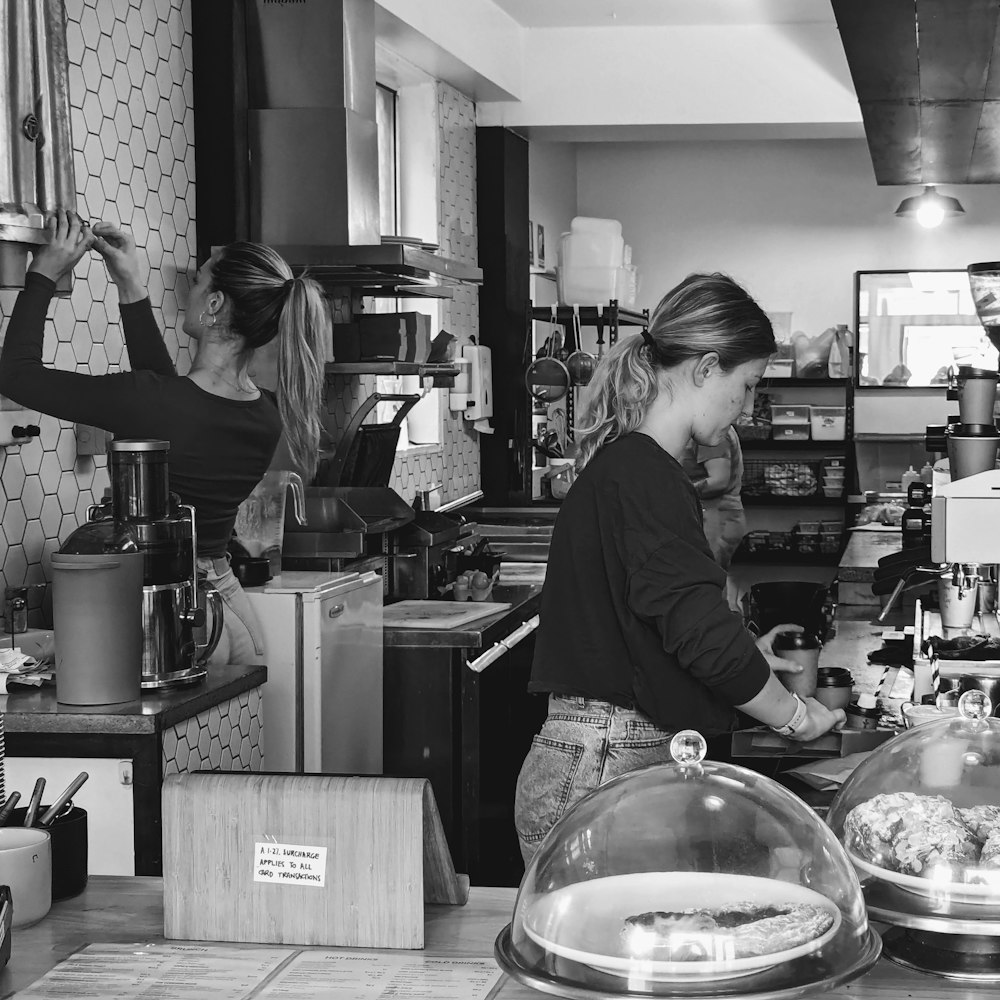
(913, 325)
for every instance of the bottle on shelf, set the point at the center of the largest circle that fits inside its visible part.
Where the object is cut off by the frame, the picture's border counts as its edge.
(910, 476)
(927, 473)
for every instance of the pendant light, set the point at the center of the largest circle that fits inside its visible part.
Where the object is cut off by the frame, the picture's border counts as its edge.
(930, 208)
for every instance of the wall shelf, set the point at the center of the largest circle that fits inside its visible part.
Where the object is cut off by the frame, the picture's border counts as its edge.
(391, 368)
(770, 444)
(744, 558)
(751, 500)
(802, 383)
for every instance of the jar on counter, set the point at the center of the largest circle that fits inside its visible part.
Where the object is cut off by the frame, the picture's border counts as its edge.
(561, 476)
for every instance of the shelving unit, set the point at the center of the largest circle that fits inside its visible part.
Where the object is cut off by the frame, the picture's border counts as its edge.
(829, 391)
(608, 319)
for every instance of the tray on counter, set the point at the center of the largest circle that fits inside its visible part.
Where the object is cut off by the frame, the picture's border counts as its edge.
(437, 614)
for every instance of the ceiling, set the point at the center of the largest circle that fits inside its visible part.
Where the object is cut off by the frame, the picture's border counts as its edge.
(922, 69)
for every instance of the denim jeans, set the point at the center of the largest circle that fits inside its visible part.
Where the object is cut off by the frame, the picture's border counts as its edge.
(582, 744)
(242, 640)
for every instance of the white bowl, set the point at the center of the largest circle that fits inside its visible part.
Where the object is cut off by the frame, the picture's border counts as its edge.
(26, 866)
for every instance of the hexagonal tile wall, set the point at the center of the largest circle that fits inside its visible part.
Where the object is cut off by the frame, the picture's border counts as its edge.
(132, 121)
(225, 737)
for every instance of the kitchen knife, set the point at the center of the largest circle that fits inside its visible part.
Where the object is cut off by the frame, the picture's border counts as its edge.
(35, 801)
(8, 807)
(71, 789)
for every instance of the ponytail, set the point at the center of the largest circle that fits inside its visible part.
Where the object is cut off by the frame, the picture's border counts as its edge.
(266, 300)
(304, 330)
(705, 313)
(617, 397)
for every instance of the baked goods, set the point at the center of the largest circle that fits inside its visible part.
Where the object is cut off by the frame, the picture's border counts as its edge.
(738, 930)
(923, 834)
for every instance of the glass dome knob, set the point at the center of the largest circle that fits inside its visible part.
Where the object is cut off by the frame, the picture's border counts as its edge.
(974, 705)
(688, 747)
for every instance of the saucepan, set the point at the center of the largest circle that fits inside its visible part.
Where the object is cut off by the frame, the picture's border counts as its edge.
(547, 379)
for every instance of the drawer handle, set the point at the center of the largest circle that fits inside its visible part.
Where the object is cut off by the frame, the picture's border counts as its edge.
(336, 611)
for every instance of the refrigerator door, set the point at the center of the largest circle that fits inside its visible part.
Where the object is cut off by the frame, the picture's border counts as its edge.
(342, 677)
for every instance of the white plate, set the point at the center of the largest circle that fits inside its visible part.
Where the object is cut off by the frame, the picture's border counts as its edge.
(956, 892)
(588, 918)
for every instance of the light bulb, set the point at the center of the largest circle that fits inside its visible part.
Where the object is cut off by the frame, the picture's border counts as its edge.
(930, 213)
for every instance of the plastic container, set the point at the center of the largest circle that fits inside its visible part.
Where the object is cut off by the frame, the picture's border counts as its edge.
(927, 473)
(788, 413)
(97, 619)
(790, 432)
(829, 423)
(586, 285)
(909, 477)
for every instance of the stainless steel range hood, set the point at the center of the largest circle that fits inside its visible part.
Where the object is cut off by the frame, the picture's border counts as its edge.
(313, 153)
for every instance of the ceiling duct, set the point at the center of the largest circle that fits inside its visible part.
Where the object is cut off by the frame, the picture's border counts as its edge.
(928, 87)
(303, 108)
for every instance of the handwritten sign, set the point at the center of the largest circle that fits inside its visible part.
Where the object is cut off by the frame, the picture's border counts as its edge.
(289, 864)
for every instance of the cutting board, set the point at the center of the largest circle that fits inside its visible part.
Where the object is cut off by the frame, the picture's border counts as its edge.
(437, 614)
(304, 859)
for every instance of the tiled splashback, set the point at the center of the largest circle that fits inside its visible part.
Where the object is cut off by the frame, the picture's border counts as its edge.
(132, 120)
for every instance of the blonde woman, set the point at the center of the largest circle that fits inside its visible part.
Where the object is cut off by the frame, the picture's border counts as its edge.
(636, 640)
(222, 429)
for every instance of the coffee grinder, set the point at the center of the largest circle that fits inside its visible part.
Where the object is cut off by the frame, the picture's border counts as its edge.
(143, 514)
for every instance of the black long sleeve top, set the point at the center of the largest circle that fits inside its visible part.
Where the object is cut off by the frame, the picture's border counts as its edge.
(219, 448)
(632, 608)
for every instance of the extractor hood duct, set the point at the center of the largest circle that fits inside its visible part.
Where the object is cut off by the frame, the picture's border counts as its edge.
(36, 150)
(313, 148)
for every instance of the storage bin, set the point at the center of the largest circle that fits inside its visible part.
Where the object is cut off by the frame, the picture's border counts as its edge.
(828, 423)
(808, 527)
(806, 544)
(766, 477)
(829, 542)
(780, 541)
(757, 541)
(833, 491)
(788, 413)
(831, 462)
(586, 285)
(790, 432)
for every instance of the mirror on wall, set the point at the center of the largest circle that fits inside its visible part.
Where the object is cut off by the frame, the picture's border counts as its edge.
(912, 326)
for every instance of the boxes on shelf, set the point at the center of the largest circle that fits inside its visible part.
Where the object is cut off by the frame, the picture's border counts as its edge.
(790, 413)
(790, 432)
(806, 537)
(757, 540)
(780, 541)
(828, 423)
(753, 432)
(829, 542)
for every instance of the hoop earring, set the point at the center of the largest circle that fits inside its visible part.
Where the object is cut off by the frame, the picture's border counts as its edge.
(204, 322)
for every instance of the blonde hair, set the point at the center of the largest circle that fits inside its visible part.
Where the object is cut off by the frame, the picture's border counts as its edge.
(268, 301)
(704, 313)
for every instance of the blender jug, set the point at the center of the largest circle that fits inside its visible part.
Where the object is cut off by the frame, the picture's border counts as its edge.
(260, 520)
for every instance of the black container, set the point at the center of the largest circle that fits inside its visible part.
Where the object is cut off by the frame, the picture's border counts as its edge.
(861, 718)
(69, 849)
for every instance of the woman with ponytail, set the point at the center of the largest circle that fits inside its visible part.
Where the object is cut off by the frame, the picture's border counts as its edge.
(636, 640)
(222, 429)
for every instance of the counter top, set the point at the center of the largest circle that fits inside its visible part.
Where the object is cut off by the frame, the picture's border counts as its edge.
(522, 598)
(35, 710)
(864, 549)
(129, 910)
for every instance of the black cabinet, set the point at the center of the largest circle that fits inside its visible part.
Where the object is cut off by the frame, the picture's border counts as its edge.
(468, 734)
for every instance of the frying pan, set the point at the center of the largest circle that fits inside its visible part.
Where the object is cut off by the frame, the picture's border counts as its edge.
(547, 379)
(580, 364)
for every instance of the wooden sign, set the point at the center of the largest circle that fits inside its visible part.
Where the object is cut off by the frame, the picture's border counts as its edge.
(303, 859)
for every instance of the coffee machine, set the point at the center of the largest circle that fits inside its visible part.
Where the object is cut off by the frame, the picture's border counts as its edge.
(143, 514)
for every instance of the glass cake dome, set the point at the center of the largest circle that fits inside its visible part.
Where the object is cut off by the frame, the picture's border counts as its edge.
(920, 820)
(691, 879)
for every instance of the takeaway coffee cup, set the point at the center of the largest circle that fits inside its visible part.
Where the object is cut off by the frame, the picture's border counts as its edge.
(803, 648)
(834, 687)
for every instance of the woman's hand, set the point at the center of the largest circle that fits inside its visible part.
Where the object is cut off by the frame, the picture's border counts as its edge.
(778, 664)
(69, 239)
(118, 250)
(819, 720)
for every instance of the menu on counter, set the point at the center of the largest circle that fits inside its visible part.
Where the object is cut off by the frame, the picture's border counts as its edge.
(218, 972)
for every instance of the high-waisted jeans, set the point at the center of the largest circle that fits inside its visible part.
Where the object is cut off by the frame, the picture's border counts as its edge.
(582, 744)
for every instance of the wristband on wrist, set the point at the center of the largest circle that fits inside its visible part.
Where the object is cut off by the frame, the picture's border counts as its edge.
(796, 722)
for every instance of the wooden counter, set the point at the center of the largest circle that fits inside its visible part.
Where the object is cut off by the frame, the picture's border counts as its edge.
(130, 910)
